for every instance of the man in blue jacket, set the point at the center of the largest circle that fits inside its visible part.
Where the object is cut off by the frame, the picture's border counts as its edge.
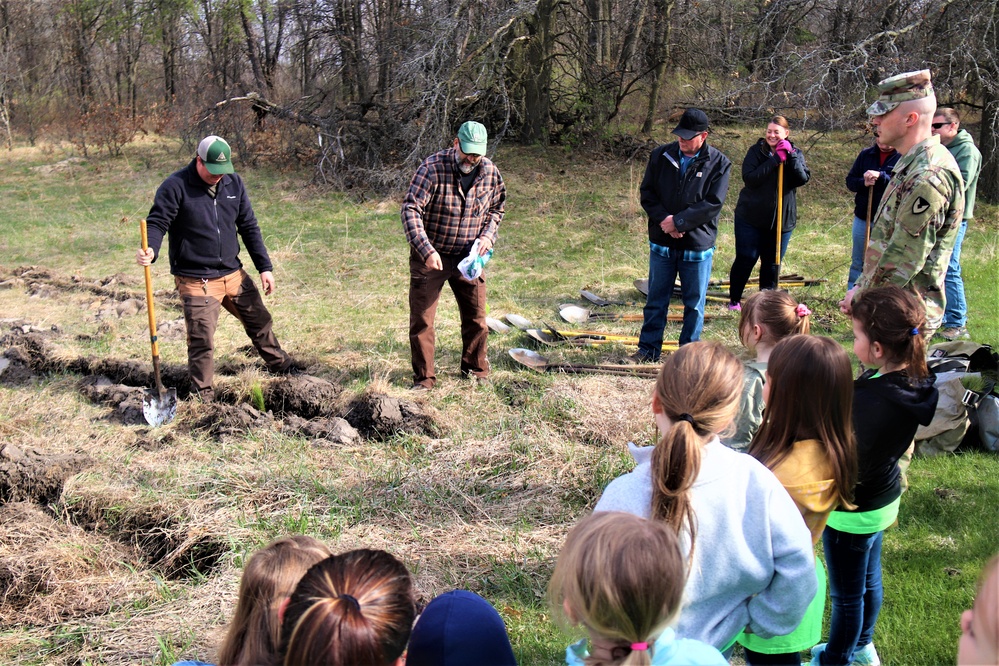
(682, 192)
(204, 206)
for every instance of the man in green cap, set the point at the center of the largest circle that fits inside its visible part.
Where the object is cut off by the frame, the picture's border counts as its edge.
(204, 207)
(913, 234)
(456, 197)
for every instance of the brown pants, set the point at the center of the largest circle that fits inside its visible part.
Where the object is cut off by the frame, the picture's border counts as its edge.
(425, 285)
(237, 294)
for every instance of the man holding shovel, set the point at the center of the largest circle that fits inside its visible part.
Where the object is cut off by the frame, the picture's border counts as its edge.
(204, 207)
(682, 192)
(456, 197)
(916, 226)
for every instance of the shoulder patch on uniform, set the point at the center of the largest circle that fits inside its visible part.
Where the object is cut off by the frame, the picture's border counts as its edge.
(920, 206)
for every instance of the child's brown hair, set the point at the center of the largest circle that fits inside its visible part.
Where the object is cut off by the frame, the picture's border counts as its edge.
(269, 577)
(622, 577)
(896, 319)
(698, 389)
(776, 313)
(811, 397)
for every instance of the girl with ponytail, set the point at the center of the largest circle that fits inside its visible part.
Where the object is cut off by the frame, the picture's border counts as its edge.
(748, 550)
(621, 577)
(354, 608)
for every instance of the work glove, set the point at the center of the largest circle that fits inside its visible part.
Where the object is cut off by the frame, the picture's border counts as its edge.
(783, 149)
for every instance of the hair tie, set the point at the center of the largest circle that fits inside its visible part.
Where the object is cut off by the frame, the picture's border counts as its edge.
(639, 646)
(353, 600)
(914, 331)
(688, 418)
(802, 310)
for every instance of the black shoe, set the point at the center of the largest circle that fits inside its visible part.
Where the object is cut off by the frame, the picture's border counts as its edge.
(289, 370)
(639, 358)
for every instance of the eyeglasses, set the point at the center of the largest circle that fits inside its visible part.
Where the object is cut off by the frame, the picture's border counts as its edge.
(939, 125)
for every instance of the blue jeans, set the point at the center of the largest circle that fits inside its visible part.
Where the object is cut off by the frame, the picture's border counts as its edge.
(854, 563)
(694, 269)
(859, 251)
(752, 244)
(955, 314)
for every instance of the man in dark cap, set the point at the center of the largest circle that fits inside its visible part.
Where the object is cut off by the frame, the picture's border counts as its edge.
(914, 231)
(682, 192)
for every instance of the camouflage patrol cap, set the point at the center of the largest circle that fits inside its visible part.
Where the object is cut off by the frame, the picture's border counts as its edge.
(901, 88)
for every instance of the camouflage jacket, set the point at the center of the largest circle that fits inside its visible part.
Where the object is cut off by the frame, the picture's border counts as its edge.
(913, 234)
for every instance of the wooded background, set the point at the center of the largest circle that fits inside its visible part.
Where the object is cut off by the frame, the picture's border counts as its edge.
(363, 89)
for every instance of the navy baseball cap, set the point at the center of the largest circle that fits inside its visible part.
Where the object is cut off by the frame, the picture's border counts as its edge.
(459, 628)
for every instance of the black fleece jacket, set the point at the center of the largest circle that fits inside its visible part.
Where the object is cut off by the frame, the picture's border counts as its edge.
(757, 203)
(695, 200)
(203, 230)
(886, 412)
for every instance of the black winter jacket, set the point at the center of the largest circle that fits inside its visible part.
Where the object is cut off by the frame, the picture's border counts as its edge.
(886, 412)
(203, 242)
(869, 159)
(695, 201)
(757, 203)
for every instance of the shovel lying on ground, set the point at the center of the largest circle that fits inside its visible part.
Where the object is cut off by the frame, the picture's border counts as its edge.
(539, 363)
(159, 405)
(577, 315)
(518, 321)
(496, 326)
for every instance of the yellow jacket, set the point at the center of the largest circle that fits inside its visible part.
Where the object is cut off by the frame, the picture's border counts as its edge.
(806, 474)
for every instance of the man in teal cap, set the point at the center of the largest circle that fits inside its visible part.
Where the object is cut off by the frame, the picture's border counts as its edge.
(456, 197)
(913, 233)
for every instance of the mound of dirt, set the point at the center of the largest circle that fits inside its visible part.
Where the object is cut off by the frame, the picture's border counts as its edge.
(218, 420)
(329, 431)
(303, 395)
(127, 400)
(380, 416)
(30, 475)
(51, 572)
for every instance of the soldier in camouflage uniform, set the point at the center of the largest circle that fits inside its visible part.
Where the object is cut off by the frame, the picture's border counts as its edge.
(913, 234)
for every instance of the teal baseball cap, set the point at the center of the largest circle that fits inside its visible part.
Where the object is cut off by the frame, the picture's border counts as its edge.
(472, 138)
(216, 155)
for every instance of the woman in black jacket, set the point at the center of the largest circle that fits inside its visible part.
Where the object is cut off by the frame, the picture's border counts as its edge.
(756, 211)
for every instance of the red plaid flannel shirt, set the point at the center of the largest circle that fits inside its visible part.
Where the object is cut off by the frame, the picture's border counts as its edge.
(438, 217)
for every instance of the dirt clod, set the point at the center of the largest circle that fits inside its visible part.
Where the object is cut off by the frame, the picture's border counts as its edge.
(218, 420)
(303, 395)
(126, 400)
(323, 431)
(31, 475)
(380, 416)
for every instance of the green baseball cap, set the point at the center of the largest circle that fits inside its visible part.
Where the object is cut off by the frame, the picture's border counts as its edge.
(216, 155)
(472, 138)
(901, 88)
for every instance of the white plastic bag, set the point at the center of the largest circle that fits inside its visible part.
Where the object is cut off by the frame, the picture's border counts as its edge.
(471, 266)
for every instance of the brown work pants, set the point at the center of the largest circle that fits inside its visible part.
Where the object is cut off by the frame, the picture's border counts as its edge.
(237, 294)
(425, 285)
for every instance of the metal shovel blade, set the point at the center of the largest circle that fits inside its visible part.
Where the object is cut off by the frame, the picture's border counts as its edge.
(574, 314)
(642, 285)
(518, 321)
(159, 409)
(496, 326)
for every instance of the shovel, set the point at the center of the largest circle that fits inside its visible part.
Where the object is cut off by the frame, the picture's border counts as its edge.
(780, 219)
(539, 363)
(577, 315)
(159, 405)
